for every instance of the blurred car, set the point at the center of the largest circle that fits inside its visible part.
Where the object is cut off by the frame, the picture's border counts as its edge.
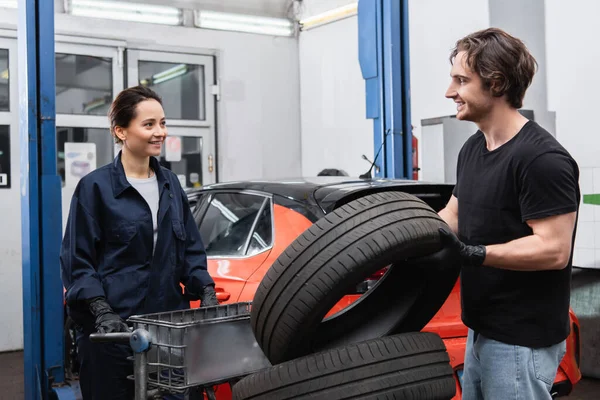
(246, 225)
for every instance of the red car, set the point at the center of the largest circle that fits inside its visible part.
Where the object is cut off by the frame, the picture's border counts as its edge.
(245, 226)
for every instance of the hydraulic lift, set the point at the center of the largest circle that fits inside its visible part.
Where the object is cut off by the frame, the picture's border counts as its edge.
(383, 47)
(41, 206)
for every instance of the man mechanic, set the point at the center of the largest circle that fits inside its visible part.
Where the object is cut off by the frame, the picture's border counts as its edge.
(513, 215)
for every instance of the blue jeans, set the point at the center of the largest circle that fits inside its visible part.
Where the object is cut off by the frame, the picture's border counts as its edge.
(495, 370)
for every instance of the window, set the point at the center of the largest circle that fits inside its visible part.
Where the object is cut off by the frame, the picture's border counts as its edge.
(181, 87)
(4, 81)
(83, 84)
(228, 226)
(262, 237)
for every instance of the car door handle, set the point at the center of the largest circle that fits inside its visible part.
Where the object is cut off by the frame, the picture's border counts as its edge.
(222, 296)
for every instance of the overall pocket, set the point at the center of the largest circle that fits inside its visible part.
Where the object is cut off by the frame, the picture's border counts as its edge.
(178, 251)
(121, 247)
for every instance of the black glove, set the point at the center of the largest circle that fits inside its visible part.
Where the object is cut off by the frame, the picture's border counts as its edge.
(443, 259)
(472, 256)
(107, 321)
(208, 296)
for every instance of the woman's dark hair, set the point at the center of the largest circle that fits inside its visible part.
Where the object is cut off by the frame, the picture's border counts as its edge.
(502, 61)
(123, 109)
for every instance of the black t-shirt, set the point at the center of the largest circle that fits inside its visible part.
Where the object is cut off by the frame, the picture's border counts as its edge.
(530, 177)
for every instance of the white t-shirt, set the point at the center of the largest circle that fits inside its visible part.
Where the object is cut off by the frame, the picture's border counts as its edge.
(148, 188)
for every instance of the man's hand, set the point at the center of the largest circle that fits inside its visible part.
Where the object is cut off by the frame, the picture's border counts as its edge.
(208, 297)
(473, 256)
(445, 258)
(107, 321)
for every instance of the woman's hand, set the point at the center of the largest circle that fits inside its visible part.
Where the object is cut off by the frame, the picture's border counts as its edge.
(107, 321)
(208, 297)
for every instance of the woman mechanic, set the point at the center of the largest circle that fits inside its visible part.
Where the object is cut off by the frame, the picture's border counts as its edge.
(129, 242)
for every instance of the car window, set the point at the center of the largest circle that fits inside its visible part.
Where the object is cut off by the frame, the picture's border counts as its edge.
(298, 207)
(200, 207)
(193, 202)
(228, 222)
(262, 237)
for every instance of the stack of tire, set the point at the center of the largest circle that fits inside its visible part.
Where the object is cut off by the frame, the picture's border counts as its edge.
(372, 349)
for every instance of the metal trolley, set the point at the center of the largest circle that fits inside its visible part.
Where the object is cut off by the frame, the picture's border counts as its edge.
(186, 352)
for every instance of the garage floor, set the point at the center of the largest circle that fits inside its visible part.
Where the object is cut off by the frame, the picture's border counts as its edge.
(11, 380)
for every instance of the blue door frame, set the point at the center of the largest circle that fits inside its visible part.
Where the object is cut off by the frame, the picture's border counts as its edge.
(383, 47)
(40, 185)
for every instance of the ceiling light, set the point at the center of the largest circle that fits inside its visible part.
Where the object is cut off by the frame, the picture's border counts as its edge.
(125, 11)
(243, 23)
(329, 16)
(156, 80)
(166, 75)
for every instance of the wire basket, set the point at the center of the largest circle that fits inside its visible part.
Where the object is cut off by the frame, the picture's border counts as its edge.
(200, 347)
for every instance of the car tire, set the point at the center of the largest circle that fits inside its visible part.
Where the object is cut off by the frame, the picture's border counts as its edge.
(335, 254)
(409, 366)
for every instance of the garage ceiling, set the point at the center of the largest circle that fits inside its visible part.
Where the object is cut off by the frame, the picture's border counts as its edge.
(271, 8)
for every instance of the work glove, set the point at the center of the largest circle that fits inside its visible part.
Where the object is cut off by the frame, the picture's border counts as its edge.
(208, 296)
(107, 321)
(434, 262)
(472, 256)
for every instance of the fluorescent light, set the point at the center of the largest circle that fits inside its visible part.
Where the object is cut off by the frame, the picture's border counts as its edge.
(4, 75)
(243, 23)
(8, 3)
(172, 75)
(124, 11)
(166, 75)
(329, 16)
(94, 104)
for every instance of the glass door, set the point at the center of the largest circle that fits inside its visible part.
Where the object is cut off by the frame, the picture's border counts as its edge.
(185, 83)
(11, 293)
(184, 153)
(9, 130)
(88, 77)
(9, 110)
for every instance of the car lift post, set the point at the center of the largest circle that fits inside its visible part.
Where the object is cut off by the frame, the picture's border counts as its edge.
(383, 52)
(41, 219)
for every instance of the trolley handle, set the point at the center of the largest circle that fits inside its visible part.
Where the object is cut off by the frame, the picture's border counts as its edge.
(116, 337)
(139, 340)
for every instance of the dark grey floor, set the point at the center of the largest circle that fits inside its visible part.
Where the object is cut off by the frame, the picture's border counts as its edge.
(11, 381)
(11, 376)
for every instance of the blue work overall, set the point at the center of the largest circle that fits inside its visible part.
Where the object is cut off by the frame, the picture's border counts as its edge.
(108, 251)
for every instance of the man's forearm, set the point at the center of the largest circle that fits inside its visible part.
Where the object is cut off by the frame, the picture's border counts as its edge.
(529, 253)
(450, 218)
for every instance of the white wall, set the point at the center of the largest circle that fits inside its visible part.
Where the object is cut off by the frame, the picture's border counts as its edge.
(573, 84)
(335, 131)
(525, 19)
(434, 28)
